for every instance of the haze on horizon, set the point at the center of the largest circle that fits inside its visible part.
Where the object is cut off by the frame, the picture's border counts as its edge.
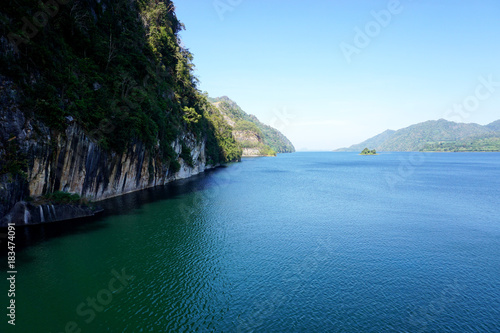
(329, 74)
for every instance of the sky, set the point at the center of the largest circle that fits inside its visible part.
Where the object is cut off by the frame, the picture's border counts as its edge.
(332, 73)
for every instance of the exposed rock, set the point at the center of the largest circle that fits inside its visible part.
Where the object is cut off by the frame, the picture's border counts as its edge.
(247, 136)
(12, 190)
(76, 164)
(24, 213)
(251, 152)
(73, 162)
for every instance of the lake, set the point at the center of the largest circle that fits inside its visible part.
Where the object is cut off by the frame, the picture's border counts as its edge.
(303, 242)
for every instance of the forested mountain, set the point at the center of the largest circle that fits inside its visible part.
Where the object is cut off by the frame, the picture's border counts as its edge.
(436, 135)
(255, 137)
(98, 99)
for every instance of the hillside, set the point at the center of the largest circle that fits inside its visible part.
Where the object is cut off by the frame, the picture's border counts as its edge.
(483, 144)
(435, 135)
(98, 101)
(375, 141)
(255, 137)
(494, 126)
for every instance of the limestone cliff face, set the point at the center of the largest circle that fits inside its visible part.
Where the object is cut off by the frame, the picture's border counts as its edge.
(71, 161)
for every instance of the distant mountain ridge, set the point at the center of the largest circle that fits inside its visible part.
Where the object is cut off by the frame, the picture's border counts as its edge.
(375, 141)
(255, 137)
(494, 126)
(435, 135)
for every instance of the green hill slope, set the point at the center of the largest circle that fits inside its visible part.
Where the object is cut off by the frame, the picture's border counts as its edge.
(494, 126)
(255, 137)
(485, 144)
(436, 135)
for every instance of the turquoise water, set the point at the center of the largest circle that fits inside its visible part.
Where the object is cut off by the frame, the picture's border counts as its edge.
(304, 242)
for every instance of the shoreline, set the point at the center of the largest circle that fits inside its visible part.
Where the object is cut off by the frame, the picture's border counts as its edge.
(25, 213)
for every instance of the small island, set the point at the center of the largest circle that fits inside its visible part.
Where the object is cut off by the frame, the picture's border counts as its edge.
(367, 151)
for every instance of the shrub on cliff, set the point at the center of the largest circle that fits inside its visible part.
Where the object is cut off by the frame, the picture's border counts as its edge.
(63, 198)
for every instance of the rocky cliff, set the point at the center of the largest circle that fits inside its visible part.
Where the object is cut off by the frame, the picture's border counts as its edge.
(98, 101)
(72, 162)
(45, 161)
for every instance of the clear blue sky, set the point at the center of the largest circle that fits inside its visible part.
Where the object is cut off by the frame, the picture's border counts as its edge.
(283, 61)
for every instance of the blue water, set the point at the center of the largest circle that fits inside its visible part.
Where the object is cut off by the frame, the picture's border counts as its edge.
(304, 242)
